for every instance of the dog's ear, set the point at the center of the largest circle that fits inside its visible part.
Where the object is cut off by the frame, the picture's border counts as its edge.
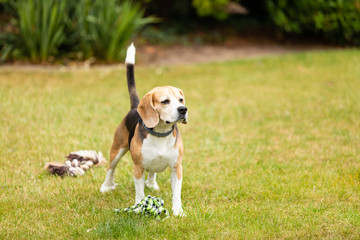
(147, 111)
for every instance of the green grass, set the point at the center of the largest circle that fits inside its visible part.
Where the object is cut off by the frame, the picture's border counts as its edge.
(271, 150)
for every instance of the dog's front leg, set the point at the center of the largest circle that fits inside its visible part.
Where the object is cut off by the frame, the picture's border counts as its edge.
(176, 181)
(139, 180)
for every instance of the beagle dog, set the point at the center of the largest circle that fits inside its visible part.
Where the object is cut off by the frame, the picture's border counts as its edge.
(150, 132)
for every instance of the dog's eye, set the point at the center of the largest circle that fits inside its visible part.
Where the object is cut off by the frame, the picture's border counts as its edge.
(166, 101)
(181, 100)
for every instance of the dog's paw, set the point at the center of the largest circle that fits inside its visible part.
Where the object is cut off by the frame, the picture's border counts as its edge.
(178, 212)
(153, 186)
(106, 188)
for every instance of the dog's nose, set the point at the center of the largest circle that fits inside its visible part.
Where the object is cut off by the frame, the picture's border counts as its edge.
(182, 110)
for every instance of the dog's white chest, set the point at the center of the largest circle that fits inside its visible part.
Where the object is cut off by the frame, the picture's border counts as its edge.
(159, 153)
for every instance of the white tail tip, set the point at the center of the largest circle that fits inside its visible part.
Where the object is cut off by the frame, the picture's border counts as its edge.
(130, 55)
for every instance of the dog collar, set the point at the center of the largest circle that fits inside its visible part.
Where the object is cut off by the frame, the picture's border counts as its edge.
(157, 134)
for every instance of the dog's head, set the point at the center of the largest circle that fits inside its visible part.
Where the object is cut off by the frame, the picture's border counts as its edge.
(165, 104)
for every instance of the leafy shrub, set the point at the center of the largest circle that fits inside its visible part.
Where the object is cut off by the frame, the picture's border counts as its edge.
(45, 28)
(40, 25)
(104, 27)
(337, 20)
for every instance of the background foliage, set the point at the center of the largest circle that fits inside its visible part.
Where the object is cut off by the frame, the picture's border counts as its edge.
(336, 20)
(41, 26)
(41, 30)
(103, 28)
(52, 28)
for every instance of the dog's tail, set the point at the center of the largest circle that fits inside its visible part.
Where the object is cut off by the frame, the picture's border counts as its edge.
(130, 62)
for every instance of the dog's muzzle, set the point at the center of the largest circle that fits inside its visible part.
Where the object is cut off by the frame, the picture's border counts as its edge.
(182, 114)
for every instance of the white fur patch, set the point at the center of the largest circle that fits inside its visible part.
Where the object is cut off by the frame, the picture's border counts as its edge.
(176, 191)
(130, 54)
(139, 188)
(109, 183)
(151, 182)
(159, 153)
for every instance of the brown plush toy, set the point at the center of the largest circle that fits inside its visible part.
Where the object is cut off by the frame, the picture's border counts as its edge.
(76, 164)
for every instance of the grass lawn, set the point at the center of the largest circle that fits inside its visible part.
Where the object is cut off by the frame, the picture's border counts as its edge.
(271, 150)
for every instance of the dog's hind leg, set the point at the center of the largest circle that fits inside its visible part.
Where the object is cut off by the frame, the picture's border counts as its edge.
(109, 183)
(119, 148)
(151, 182)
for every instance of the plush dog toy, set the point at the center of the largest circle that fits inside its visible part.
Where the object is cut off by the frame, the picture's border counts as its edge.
(76, 164)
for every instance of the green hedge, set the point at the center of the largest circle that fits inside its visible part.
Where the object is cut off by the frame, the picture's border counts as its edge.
(45, 29)
(336, 20)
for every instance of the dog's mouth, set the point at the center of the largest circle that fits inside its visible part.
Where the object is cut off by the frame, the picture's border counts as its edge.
(181, 119)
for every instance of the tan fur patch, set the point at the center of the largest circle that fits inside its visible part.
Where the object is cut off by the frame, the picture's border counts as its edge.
(121, 137)
(135, 148)
(138, 171)
(179, 145)
(147, 110)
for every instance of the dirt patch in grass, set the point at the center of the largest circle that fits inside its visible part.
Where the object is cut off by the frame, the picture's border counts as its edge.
(232, 48)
